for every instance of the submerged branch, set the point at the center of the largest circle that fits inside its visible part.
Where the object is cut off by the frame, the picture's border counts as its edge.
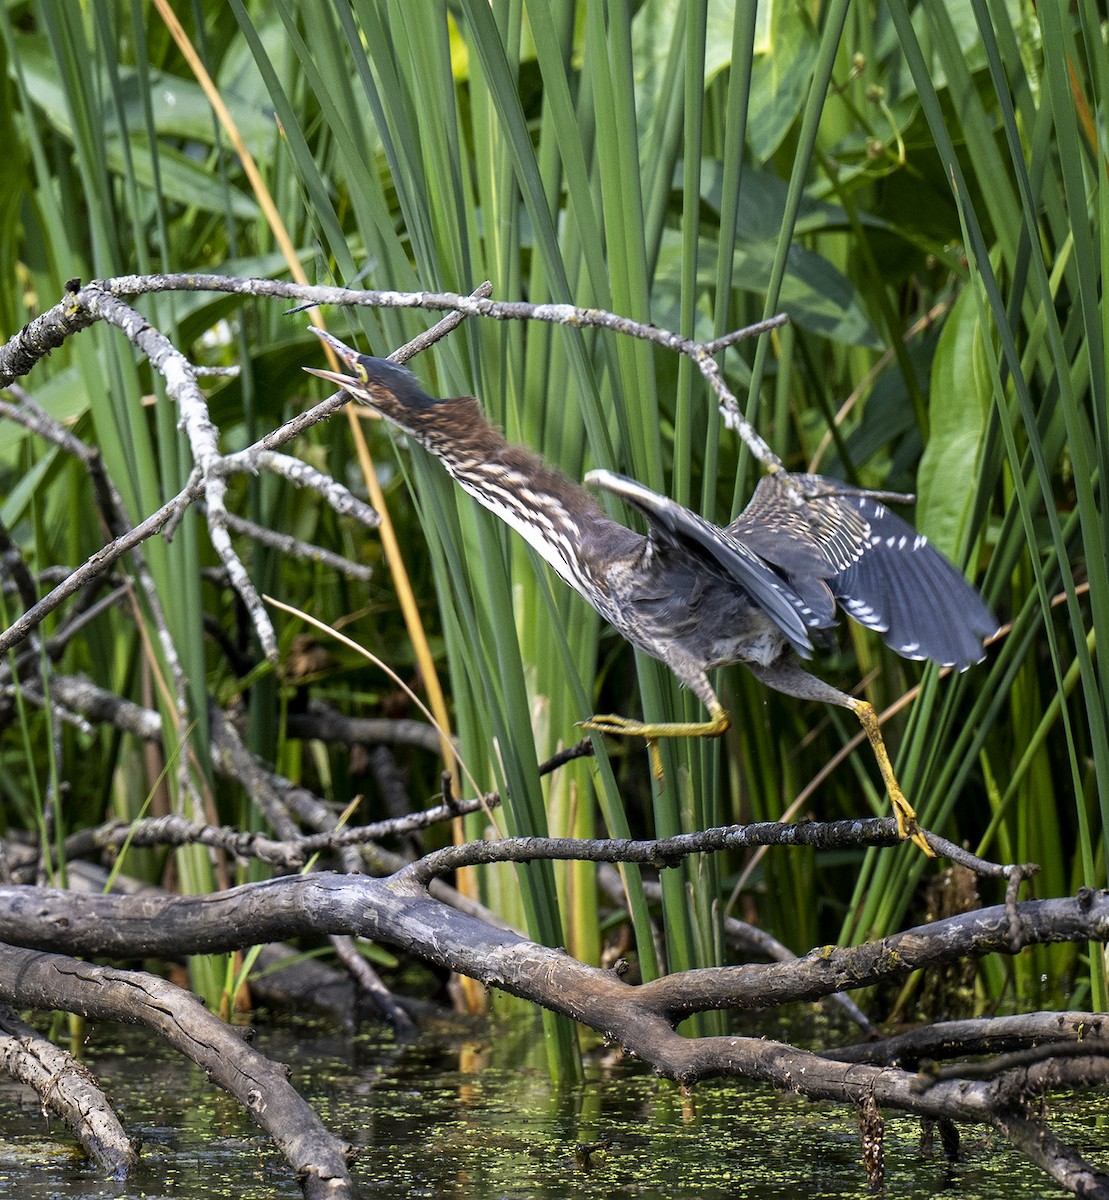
(49, 981)
(67, 1089)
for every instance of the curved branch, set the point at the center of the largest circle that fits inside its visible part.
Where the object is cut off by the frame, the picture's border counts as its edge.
(981, 1035)
(397, 911)
(194, 419)
(668, 852)
(638, 1017)
(1059, 1161)
(20, 354)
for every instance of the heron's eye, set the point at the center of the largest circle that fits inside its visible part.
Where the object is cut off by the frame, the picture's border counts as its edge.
(363, 374)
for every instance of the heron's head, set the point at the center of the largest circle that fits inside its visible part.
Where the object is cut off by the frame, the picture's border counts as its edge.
(385, 386)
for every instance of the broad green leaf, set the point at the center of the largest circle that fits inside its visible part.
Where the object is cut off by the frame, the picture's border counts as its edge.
(14, 507)
(183, 180)
(762, 196)
(961, 15)
(181, 110)
(780, 79)
(656, 24)
(958, 408)
(815, 294)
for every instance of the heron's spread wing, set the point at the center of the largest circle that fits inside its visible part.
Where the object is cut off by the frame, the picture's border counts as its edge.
(885, 575)
(674, 527)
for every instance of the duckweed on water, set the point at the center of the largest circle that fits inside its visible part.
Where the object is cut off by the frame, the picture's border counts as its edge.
(476, 1121)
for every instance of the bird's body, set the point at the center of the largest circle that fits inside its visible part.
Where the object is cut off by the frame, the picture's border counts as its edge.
(759, 591)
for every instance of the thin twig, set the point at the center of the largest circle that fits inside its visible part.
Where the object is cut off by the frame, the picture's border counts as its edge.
(662, 853)
(16, 359)
(293, 547)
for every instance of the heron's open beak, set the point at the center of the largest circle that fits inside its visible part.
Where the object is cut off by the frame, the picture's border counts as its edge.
(343, 381)
(343, 353)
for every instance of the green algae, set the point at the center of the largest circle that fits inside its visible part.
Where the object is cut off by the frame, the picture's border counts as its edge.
(480, 1119)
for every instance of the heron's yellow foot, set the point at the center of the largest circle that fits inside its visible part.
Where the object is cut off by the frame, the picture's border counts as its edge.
(907, 826)
(652, 731)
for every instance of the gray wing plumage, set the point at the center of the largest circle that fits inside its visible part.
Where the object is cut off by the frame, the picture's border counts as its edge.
(671, 524)
(904, 588)
(800, 524)
(882, 572)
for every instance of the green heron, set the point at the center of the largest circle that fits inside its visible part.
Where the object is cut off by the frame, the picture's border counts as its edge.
(760, 591)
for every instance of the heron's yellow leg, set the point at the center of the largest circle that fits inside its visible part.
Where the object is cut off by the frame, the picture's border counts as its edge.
(718, 722)
(789, 678)
(907, 825)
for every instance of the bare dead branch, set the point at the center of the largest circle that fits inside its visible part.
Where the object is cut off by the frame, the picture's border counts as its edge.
(370, 984)
(45, 333)
(983, 1035)
(667, 852)
(22, 351)
(68, 1089)
(324, 722)
(286, 544)
(740, 936)
(172, 830)
(182, 387)
(1058, 1160)
(302, 475)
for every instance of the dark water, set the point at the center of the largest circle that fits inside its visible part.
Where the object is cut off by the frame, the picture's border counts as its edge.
(479, 1119)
